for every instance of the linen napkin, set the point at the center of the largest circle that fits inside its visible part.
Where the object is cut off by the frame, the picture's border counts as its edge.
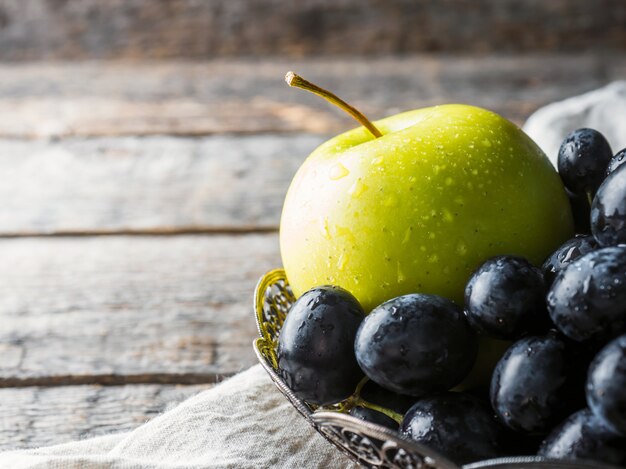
(245, 422)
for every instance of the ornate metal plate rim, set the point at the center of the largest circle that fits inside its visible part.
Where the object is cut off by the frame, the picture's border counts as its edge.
(264, 348)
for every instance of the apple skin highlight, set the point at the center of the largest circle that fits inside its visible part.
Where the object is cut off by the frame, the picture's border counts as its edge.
(418, 209)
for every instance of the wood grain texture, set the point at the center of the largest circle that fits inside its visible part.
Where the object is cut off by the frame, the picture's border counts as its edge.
(36, 416)
(120, 309)
(226, 96)
(154, 184)
(84, 29)
(86, 310)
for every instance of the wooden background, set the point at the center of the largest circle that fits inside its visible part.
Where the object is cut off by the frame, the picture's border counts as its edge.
(140, 198)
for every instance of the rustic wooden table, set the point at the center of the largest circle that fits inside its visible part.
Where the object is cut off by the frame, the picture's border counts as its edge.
(140, 204)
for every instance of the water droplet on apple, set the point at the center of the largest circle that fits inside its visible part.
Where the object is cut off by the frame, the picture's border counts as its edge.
(391, 201)
(461, 248)
(341, 262)
(407, 235)
(400, 274)
(338, 171)
(324, 228)
(357, 188)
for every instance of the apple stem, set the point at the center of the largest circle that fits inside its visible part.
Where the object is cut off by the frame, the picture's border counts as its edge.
(293, 79)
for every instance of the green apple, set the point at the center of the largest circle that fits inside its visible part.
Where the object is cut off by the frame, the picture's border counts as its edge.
(420, 207)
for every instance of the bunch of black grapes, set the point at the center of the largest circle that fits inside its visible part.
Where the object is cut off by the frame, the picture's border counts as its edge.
(558, 391)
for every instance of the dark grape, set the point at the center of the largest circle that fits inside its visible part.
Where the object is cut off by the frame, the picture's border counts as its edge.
(374, 416)
(316, 345)
(505, 298)
(583, 437)
(532, 387)
(459, 426)
(582, 161)
(372, 392)
(608, 210)
(416, 344)
(606, 385)
(581, 210)
(565, 254)
(587, 300)
(618, 159)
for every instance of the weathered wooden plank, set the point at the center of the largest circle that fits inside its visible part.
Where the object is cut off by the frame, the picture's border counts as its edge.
(36, 416)
(153, 184)
(166, 184)
(103, 99)
(79, 29)
(118, 309)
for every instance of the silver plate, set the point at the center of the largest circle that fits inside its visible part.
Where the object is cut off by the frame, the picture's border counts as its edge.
(368, 444)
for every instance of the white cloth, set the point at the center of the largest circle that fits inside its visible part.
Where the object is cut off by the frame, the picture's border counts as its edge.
(245, 422)
(603, 109)
(242, 423)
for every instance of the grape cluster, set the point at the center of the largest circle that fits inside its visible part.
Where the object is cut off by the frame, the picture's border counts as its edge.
(558, 391)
